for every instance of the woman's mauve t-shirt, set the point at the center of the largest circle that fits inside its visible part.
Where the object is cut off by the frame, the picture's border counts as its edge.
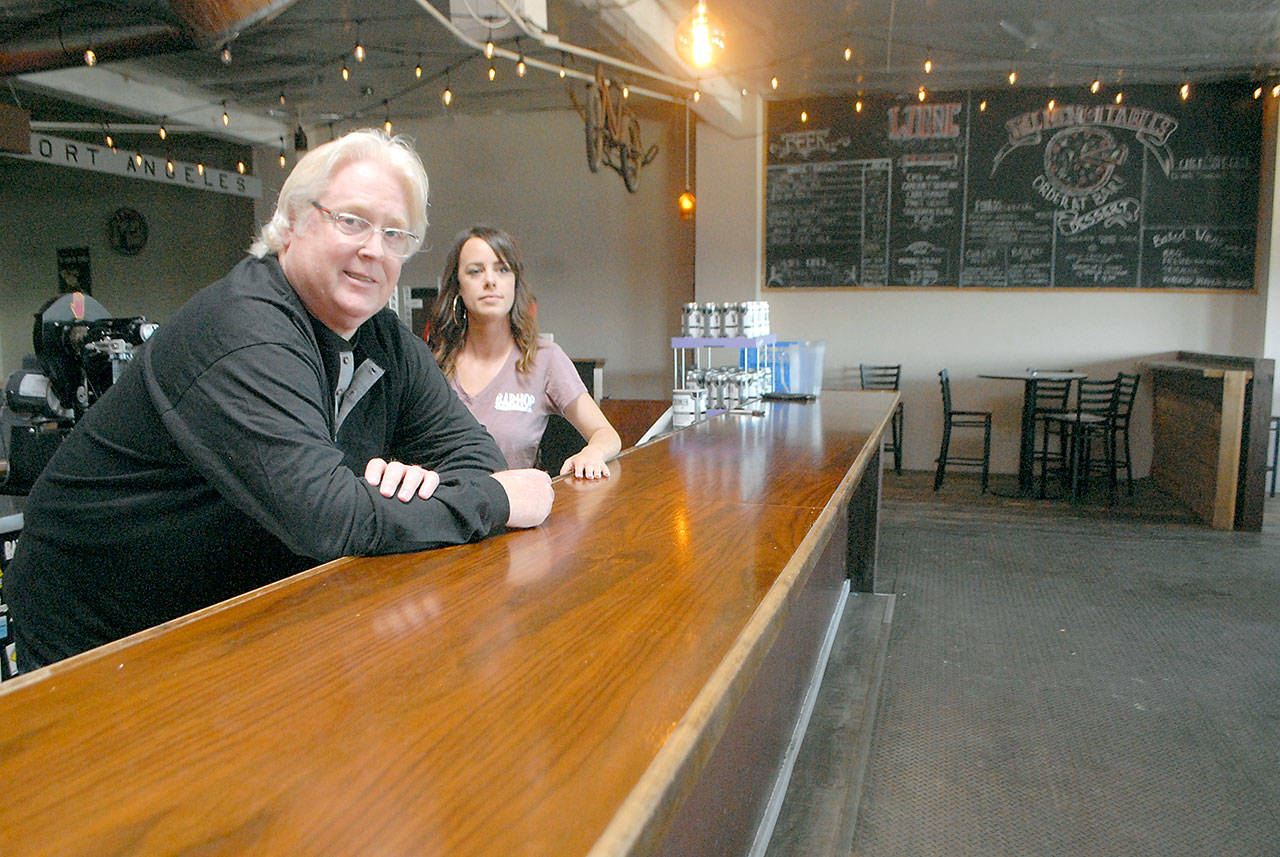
(514, 406)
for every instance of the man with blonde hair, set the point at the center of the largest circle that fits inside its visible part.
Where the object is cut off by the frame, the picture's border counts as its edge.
(281, 418)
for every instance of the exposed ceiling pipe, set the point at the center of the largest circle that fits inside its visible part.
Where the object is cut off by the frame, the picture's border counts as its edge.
(723, 108)
(61, 46)
(116, 127)
(551, 41)
(536, 63)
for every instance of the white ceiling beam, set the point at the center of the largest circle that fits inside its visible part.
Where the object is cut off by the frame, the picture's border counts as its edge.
(173, 101)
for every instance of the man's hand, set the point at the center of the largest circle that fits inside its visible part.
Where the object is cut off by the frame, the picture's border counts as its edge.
(410, 479)
(529, 494)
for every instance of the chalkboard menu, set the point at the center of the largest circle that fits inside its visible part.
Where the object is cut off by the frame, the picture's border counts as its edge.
(1016, 189)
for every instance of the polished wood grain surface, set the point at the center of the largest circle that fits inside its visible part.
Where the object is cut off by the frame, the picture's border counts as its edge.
(546, 692)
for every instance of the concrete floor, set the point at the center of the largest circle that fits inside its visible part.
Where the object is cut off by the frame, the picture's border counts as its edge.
(837, 803)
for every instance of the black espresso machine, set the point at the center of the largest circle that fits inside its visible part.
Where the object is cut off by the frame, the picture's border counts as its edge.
(80, 351)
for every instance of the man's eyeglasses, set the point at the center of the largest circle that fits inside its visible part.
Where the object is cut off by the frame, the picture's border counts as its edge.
(397, 242)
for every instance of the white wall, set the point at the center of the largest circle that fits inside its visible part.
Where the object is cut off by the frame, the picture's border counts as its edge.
(968, 332)
(729, 186)
(1269, 238)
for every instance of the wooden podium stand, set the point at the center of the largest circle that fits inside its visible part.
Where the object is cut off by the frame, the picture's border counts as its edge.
(1210, 422)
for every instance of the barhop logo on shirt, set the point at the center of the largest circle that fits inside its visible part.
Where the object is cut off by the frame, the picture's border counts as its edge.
(522, 402)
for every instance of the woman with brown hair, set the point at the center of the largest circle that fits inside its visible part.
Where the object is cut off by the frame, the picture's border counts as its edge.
(484, 334)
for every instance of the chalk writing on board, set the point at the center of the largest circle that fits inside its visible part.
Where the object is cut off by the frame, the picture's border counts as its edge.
(1016, 188)
(832, 220)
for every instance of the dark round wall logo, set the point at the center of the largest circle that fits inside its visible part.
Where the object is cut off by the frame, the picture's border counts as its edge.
(127, 231)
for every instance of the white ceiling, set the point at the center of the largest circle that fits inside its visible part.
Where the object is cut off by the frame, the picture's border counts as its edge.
(169, 69)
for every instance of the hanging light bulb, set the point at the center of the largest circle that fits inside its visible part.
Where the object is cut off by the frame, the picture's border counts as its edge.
(774, 83)
(386, 114)
(358, 51)
(848, 54)
(386, 125)
(417, 69)
(488, 46)
(137, 159)
(346, 72)
(90, 58)
(106, 130)
(920, 94)
(1119, 97)
(493, 72)
(447, 96)
(699, 38)
(226, 117)
(200, 168)
(1095, 86)
(857, 106)
(163, 133)
(1257, 93)
(1275, 91)
(626, 91)
(168, 166)
(240, 167)
(520, 67)
(562, 72)
(928, 66)
(282, 158)
(1052, 104)
(282, 99)
(982, 106)
(804, 115)
(226, 55)
(697, 95)
(686, 202)
(1185, 91)
(1013, 78)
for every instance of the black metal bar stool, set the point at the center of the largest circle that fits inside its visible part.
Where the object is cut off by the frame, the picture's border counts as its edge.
(887, 378)
(1092, 419)
(952, 419)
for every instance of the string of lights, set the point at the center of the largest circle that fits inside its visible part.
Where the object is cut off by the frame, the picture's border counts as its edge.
(700, 40)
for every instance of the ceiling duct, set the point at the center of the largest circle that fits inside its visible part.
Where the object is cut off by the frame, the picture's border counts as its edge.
(485, 19)
(220, 21)
(119, 31)
(60, 37)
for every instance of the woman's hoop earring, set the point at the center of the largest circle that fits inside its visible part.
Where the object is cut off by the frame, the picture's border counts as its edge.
(459, 318)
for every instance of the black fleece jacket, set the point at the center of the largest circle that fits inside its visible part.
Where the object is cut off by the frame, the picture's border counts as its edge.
(223, 459)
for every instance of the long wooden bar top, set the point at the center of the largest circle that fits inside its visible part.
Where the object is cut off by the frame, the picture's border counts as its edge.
(554, 691)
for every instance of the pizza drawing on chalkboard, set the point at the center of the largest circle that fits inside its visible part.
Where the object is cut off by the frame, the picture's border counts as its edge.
(1078, 161)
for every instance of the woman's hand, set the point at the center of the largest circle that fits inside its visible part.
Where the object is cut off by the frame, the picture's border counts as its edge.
(587, 464)
(603, 442)
(405, 481)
